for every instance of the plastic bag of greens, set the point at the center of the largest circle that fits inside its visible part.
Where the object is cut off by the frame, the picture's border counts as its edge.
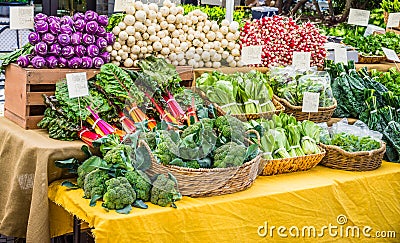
(317, 82)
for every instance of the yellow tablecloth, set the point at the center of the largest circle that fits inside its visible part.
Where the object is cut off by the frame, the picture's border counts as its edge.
(312, 198)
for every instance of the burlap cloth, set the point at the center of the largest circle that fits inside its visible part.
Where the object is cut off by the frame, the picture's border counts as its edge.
(26, 169)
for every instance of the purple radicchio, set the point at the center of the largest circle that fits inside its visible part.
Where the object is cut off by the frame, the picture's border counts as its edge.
(80, 50)
(67, 20)
(76, 38)
(88, 39)
(62, 62)
(91, 27)
(64, 39)
(101, 43)
(80, 25)
(93, 51)
(40, 16)
(74, 62)
(48, 38)
(54, 28)
(38, 62)
(67, 51)
(98, 62)
(78, 16)
(51, 61)
(41, 48)
(102, 20)
(87, 62)
(23, 61)
(66, 29)
(55, 49)
(41, 26)
(91, 16)
(105, 56)
(34, 38)
(101, 31)
(110, 37)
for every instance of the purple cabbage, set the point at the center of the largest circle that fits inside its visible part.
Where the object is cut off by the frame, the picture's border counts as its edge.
(98, 62)
(38, 62)
(62, 62)
(40, 16)
(48, 38)
(66, 29)
(41, 26)
(76, 38)
(78, 16)
(23, 61)
(64, 39)
(102, 20)
(53, 19)
(34, 38)
(88, 39)
(91, 16)
(101, 31)
(91, 27)
(75, 62)
(87, 62)
(41, 48)
(51, 61)
(105, 56)
(80, 50)
(101, 43)
(110, 38)
(67, 51)
(54, 28)
(93, 51)
(55, 49)
(80, 25)
(67, 20)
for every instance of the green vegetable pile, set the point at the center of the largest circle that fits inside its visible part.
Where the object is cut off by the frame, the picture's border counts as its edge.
(372, 44)
(391, 6)
(352, 143)
(13, 56)
(238, 93)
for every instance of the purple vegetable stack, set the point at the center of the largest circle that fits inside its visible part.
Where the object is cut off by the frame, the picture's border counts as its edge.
(73, 42)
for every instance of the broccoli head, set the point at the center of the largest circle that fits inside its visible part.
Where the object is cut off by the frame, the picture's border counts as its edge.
(167, 149)
(189, 164)
(120, 156)
(165, 191)
(140, 182)
(149, 138)
(88, 166)
(230, 127)
(119, 193)
(94, 183)
(229, 155)
(207, 123)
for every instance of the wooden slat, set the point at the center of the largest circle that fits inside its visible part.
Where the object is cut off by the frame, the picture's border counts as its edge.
(36, 98)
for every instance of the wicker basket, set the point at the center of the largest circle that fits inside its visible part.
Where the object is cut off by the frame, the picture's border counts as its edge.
(370, 59)
(338, 158)
(324, 114)
(301, 163)
(205, 182)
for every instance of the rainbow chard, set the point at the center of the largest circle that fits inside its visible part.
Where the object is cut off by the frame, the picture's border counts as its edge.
(127, 124)
(101, 124)
(87, 136)
(173, 106)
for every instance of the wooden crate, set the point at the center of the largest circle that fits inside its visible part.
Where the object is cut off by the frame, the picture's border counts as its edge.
(24, 88)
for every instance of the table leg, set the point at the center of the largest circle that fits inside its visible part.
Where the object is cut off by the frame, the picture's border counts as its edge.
(77, 230)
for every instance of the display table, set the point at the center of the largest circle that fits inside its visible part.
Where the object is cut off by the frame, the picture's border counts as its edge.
(312, 198)
(27, 168)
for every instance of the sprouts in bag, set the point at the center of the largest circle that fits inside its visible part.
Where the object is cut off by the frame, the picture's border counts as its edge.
(318, 82)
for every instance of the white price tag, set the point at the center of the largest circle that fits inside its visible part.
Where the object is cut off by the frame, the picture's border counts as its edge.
(251, 54)
(341, 55)
(393, 20)
(301, 60)
(77, 85)
(391, 54)
(372, 29)
(310, 102)
(358, 17)
(121, 5)
(21, 17)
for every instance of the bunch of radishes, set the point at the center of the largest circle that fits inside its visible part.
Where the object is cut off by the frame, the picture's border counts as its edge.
(182, 39)
(280, 37)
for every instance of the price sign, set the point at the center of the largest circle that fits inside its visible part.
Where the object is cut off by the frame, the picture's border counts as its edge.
(372, 29)
(310, 102)
(251, 54)
(121, 5)
(391, 54)
(301, 60)
(77, 85)
(340, 55)
(393, 20)
(21, 17)
(358, 17)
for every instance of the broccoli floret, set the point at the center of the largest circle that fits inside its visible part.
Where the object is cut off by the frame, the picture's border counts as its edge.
(164, 191)
(120, 156)
(207, 123)
(94, 183)
(189, 164)
(88, 166)
(230, 127)
(167, 149)
(229, 155)
(140, 182)
(119, 193)
(149, 138)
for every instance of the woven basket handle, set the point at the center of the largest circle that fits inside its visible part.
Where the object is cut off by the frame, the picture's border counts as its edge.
(257, 135)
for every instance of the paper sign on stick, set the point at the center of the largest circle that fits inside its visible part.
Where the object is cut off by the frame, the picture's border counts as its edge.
(310, 102)
(21, 17)
(251, 54)
(393, 20)
(391, 54)
(301, 60)
(341, 55)
(121, 5)
(358, 17)
(77, 85)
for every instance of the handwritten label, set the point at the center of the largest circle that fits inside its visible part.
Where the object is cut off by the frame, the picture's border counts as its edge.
(21, 17)
(391, 54)
(310, 102)
(358, 17)
(121, 5)
(393, 20)
(77, 85)
(301, 60)
(340, 55)
(251, 54)
(372, 29)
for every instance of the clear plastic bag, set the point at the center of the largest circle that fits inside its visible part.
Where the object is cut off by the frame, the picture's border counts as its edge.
(317, 82)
